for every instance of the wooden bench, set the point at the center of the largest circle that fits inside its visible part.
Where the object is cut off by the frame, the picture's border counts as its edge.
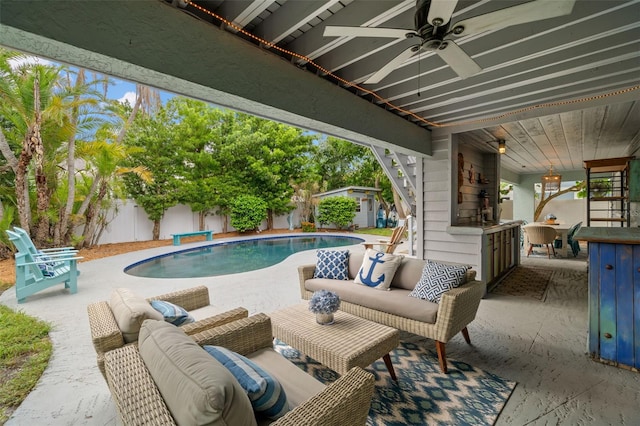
(176, 237)
(37, 270)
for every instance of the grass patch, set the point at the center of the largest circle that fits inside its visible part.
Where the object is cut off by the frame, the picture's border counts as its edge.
(25, 349)
(384, 232)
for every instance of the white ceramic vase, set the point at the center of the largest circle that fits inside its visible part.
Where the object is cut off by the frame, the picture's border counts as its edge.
(324, 319)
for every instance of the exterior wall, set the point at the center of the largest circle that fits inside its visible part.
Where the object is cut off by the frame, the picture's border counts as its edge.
(437, 178)
(130, 223)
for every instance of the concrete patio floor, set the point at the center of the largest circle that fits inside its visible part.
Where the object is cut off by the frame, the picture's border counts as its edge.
(542, 346)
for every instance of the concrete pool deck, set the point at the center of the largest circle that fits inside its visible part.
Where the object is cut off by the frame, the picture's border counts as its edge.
(72, 391)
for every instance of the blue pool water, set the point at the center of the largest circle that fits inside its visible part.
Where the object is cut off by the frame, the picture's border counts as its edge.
(233, 257)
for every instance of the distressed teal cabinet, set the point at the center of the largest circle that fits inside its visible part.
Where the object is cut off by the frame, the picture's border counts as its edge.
(614, 294)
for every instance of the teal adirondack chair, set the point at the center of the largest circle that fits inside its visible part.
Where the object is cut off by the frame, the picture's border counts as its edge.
(37, 270)
(575, 245)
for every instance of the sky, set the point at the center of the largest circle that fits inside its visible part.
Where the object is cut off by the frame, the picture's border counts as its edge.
(124, 90)
(121, 90)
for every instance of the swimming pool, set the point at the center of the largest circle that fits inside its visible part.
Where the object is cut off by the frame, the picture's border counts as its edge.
(233, 256)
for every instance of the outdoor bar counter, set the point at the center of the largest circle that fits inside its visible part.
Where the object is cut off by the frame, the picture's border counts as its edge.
(614, 294)
(500, 246)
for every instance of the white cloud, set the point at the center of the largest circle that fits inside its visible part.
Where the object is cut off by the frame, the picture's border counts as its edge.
(128, 97)
(16, 62)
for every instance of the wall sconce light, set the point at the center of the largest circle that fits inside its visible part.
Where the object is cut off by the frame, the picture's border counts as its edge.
(502, 147)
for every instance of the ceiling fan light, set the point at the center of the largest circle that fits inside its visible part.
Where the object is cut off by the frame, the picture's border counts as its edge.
(502, 147)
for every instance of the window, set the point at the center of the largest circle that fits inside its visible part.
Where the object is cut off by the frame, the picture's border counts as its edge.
(357, 204)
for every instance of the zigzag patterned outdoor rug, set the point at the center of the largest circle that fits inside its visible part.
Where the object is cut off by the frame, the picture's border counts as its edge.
(525, 281)
(423, 395)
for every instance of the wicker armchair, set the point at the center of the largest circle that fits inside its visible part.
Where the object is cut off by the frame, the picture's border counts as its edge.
(139, 402)
(106, 335)
(543, 235)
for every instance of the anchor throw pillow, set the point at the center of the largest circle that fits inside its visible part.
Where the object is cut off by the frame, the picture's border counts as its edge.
(438, 278)
(332, 264)
(377, 269)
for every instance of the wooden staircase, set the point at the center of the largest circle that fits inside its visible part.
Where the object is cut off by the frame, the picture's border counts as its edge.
(401, 170)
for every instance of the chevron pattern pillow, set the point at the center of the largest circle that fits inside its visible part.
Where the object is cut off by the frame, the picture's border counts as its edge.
(332, 264)
(438, 278)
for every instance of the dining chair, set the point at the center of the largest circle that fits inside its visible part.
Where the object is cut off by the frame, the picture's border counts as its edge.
(543, 235)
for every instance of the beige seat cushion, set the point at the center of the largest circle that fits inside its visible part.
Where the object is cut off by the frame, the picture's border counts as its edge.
(298, 385)
(395, 301)
(130, 311)
(197, 389)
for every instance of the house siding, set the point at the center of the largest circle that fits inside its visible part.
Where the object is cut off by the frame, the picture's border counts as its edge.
(437, 178)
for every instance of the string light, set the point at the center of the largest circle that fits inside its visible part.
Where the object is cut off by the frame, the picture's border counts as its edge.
(348, 83)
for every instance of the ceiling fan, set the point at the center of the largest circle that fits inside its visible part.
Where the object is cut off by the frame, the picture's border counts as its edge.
(434, 31)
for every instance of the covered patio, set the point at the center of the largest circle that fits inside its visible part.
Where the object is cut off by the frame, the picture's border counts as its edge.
(539, 344)
(558, 91)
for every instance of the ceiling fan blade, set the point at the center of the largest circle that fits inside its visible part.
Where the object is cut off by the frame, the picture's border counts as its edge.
(458, 59)
(527, 12)
(392, 65)
(441, 9)
(335, 31)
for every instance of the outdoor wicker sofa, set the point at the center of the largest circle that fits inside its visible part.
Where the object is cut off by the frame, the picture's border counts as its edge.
(138, 383)
(438, 321)
(106, 335)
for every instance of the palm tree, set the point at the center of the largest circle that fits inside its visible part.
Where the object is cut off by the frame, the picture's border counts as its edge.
(26, 101)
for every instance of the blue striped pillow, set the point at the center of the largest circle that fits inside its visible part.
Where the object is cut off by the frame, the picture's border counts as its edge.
(265, 393)
(172, 313)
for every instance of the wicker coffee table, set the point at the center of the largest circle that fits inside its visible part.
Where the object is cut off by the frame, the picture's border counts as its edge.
(349, 342)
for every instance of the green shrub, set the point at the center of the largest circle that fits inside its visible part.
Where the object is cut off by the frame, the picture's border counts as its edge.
(339, 210)
(248, 212)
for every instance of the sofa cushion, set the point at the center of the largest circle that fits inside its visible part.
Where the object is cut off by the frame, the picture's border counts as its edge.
(130, 311)
(197, 389)
(332, 264)
(408, 273)
(298, 385)
(265, 393)
(172, 313)
(377, 269)
(393, 302)
(355, 262)
(438, 278)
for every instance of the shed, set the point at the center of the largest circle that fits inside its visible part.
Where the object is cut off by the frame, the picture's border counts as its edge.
(365, 200)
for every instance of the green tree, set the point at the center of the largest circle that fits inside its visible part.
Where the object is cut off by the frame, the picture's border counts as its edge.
(339, 210)
(196, 130)
(337, 162)
(263, 158)
(153, 146)
(46, 107)
(107, 168)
